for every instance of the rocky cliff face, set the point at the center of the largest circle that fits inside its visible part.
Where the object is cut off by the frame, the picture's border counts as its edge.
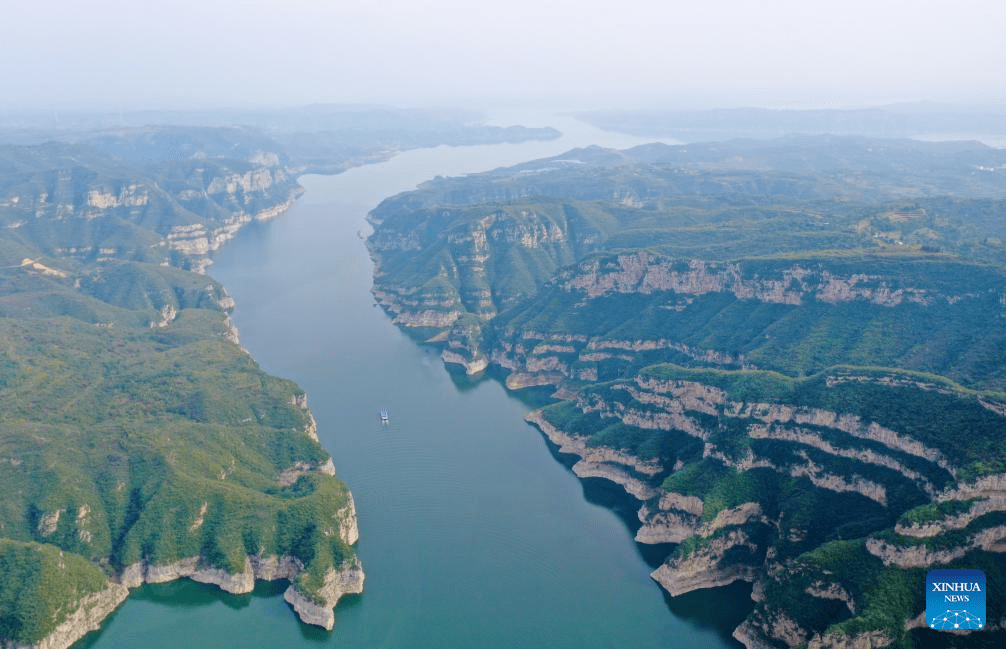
(794, 285)
(180, 206)
(835, 452)
(620, 468)
(706, 566)
(88, 617)
(110, 242)
(315, 609)
(198, 240)
(728, 366)
(347, 580)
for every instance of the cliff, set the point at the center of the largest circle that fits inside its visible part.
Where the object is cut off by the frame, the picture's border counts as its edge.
(320, 610)
(769, 345)
(91, 612)
(155, 447)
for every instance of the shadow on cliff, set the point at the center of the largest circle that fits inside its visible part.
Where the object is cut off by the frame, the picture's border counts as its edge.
(532, 397)
(721, 609)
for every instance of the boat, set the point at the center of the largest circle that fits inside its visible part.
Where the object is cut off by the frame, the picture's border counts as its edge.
(384, 415)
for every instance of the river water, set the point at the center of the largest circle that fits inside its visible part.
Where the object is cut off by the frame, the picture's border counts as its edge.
(472, 534)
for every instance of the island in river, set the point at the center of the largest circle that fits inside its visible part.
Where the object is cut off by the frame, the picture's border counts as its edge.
(141, 443)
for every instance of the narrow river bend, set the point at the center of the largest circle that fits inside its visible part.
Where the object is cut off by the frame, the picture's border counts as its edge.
(471, 533)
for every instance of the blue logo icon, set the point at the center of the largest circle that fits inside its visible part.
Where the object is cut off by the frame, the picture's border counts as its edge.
(955, 599)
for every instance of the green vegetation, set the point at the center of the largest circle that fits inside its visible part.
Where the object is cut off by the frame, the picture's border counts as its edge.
(40, 583)
(811, 324)
(135, 430)
(933, 512)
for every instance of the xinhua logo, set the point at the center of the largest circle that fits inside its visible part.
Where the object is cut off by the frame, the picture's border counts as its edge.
(955, 599)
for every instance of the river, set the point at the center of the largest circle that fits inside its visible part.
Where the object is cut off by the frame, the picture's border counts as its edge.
(472, 534)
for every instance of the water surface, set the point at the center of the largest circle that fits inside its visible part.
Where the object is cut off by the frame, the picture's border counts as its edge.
(471, 533)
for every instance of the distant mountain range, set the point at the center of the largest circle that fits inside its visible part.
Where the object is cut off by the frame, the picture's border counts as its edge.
(915, 120)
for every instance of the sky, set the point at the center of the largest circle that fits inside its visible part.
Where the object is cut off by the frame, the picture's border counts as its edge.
(152, 54)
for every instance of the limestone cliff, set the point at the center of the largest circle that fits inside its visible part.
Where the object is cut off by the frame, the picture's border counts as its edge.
(643, 273)
(314, 609)
(776, 364)
(107, 247)
(347, 580)
(704, 568)
(88, 616)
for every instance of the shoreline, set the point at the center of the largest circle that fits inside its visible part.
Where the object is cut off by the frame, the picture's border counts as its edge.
(95, 608)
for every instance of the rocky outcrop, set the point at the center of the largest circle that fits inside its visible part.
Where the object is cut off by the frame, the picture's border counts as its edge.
(613, 473)
(409, 309)
(168, 315)
(991, 487)
(808, 437)
(131, 195)
(289, 475)
(521, 380)
(198, 240)
(697, 573)
(864, 640)
(347, 579)
(601, 462)
(839, 484)
(472, 366)
(34, 266)
(672, 524)
(704, 356)
(349, 530)
(428, 318)
(666, 526)
(823, 590)
(992, 539)
(949, 523)
(772, 628)
(338, 582)
(142, 572)
(702, 566)
(702, 398)
(344, 581)
(88, 616)
(675, 405)
(47, 523)
(765, 632)
(644, 273)
(749, 635)
(311, 429)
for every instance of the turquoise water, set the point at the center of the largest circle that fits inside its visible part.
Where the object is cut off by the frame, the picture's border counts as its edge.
(472, 534)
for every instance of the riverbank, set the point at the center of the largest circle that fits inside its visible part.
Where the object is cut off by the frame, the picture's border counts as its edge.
(181, 459)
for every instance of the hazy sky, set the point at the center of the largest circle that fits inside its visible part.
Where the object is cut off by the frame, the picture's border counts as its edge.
(113, 54)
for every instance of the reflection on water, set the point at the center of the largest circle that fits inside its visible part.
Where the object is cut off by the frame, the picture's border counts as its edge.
(722, 609)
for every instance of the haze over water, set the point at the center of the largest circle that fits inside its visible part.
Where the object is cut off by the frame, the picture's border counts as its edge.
(471, 533)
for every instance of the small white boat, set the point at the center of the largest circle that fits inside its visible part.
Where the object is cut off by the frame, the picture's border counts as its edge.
(384, 415)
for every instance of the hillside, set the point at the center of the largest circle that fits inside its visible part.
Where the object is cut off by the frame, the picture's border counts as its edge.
(141, 442)
(790, 352)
